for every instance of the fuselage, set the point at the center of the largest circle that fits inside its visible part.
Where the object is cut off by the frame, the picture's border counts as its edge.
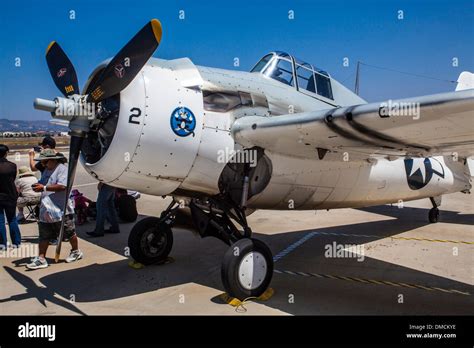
(152, 150)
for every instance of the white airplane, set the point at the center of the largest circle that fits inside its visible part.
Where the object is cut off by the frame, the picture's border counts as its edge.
(223, 143)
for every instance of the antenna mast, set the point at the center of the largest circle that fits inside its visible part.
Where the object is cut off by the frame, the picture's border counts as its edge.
(356, 87)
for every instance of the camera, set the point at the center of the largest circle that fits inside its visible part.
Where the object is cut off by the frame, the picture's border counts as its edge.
(37, 148)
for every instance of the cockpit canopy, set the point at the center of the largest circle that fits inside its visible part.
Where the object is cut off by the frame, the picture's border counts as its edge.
(291, 71)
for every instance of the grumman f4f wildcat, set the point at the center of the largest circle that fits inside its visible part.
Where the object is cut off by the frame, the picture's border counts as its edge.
(222, 143)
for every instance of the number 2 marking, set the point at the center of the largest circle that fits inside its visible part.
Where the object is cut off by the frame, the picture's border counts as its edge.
(136, 112)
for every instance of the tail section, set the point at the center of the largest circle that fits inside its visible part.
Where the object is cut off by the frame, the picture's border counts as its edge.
(465, 81)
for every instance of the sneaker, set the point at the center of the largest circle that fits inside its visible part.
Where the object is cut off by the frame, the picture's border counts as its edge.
(75, 255)
(95, 234)
(53, 242)
(37, 263)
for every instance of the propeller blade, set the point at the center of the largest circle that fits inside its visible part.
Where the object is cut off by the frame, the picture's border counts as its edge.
(61, 69)
(74, 151)
(126, 64)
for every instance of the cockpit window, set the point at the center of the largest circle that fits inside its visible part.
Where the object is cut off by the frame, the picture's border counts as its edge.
(323, 84)
(282, 71)
(261, 64)
(279, 66)
(305, 79)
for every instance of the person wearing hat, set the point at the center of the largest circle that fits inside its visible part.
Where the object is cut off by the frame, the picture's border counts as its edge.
(53, 199)
(47, 143)
(8, 197)
(26, 195)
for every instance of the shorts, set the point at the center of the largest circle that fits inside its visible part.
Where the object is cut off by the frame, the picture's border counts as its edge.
(50, 230)
(24, 201)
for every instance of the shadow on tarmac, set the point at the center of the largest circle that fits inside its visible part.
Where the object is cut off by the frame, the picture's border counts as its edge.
(198, 261)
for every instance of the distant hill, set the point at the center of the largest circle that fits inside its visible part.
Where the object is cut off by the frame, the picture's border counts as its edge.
(29, 126)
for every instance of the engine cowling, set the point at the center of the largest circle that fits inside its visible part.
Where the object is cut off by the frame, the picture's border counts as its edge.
(153, 137)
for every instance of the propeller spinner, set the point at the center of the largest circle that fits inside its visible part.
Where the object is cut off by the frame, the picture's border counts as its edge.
(75, 108)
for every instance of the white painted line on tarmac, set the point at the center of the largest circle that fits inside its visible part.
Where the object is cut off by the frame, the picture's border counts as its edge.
(293, 246)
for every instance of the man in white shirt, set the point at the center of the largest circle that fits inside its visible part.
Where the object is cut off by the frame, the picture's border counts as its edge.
(53, 197)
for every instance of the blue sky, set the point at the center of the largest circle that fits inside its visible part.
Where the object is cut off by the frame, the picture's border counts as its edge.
(214, 32)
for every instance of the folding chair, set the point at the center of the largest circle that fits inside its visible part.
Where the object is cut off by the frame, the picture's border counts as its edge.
(32, 212)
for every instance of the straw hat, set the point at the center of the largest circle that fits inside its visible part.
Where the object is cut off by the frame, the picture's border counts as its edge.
(24, 171)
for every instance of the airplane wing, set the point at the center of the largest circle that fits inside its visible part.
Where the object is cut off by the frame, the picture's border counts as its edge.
(439, 124)
(57, 122)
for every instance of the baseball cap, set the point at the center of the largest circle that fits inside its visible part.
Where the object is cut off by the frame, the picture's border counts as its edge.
(48, 141)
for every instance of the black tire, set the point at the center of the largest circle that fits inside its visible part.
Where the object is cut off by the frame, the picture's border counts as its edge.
(433, 215)
(150, 241)
(127, 208)
(233, 258)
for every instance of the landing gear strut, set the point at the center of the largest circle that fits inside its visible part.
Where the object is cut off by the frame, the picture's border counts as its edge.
(247, 267)
(433, 215)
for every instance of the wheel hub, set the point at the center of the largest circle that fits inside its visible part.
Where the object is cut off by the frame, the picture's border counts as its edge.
(153, 242)
(252, 270)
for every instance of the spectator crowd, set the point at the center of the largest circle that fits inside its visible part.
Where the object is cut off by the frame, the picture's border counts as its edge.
(39, 192)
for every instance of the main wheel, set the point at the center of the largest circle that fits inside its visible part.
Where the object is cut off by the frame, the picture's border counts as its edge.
(247, 268)
(150, 241)
(433, 215)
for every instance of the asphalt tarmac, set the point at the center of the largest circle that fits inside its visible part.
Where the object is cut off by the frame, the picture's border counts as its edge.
(391, 260)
